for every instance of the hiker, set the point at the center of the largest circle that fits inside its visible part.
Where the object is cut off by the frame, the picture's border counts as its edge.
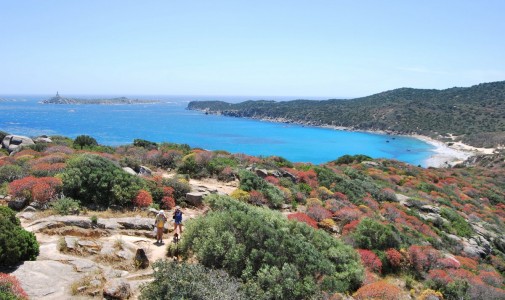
(160, 224)
(178, 221)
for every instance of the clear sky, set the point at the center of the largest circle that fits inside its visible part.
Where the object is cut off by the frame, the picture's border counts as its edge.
(317, 48)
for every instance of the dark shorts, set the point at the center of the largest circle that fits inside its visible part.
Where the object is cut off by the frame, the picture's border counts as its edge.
(178, 222)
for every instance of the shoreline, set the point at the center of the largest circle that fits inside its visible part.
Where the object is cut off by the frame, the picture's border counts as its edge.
(443, 156)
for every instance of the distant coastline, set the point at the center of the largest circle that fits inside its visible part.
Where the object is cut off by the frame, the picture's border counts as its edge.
(100, 101)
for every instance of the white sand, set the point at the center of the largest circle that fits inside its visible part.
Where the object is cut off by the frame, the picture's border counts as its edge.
(445, 156)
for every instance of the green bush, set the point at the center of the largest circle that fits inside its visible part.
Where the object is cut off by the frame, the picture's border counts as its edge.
(144, 144)
(458, 225)
(92, 179)
(191, 281)
(350, 159)
(180, 185)
(285, 259)
(373, 235)
(16, 244)
(85, 141)
(65, 206)
(250, 181)
(10, 173)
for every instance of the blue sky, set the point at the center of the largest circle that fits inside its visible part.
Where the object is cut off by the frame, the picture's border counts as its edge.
(272, 48)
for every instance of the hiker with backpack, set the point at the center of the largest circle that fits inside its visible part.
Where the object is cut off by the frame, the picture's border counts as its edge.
(159, 223)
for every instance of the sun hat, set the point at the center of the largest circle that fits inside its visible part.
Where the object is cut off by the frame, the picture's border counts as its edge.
(161, 212)
(177, 207)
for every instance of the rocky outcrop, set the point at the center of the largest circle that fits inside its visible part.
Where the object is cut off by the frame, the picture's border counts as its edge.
(117, 289)
(15, 142)
(46, 279)
(43, 139)
(145, 171)
(196, 198)
(129, 170)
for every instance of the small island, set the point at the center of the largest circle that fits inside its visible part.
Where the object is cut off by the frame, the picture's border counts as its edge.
(108, 101)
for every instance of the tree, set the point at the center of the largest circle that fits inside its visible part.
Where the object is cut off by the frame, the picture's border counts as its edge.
(85, 141)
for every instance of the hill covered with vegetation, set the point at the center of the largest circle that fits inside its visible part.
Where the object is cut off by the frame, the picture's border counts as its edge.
(356, 226)
(475, 115)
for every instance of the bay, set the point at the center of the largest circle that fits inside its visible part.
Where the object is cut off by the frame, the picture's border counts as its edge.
(170, 121)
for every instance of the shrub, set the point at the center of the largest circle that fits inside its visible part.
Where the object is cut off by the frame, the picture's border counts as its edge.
(430, 295)
(65, 206)
(144, 144)
(371, 235)
(395, 259)
(31, 188)
(191, 281)
(181, 187)
(16, 244)
(240, 195)
(301, 217)
(143, 199)
(370, 260)
(168, 200)
(281, 257)
(10, 173)
(350, 159)
(10, 288)
(93, 179)
(250, 181)
(458, 225)
(422, 258)
(85, 141)
(318, 213)
(379, 290)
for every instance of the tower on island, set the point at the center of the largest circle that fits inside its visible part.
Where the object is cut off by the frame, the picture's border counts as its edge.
(57, 95)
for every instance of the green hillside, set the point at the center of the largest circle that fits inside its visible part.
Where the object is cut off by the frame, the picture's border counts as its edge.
(476, 115)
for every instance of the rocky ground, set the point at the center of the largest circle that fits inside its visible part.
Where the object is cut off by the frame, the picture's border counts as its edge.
(82, 259)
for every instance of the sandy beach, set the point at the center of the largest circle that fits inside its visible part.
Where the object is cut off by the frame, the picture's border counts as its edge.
(445, 156)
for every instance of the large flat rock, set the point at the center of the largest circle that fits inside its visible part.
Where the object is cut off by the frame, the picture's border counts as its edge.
(47, 279)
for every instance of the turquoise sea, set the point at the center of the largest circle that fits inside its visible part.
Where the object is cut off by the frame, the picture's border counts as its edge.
(170, 121)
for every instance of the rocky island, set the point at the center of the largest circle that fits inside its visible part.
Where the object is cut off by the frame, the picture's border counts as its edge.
(109, 101)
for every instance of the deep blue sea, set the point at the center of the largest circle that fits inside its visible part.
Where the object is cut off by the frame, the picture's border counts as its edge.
(169, 121)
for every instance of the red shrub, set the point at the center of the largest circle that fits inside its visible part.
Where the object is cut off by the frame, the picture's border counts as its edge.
(272, 179)
(448, 263)
(370, 260)
(143, 199)
(256, 197)
(492, 278)
(379, 290)
(340, 196)
(301, 217)
(318, 213)
(467, 263)
(48, 167)
(309, 177)
(11, 284)
(439, 277)
(38, 189)
(395, 258)
(168, 200)
(422, 258)
(350, 227)
(348, 214)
